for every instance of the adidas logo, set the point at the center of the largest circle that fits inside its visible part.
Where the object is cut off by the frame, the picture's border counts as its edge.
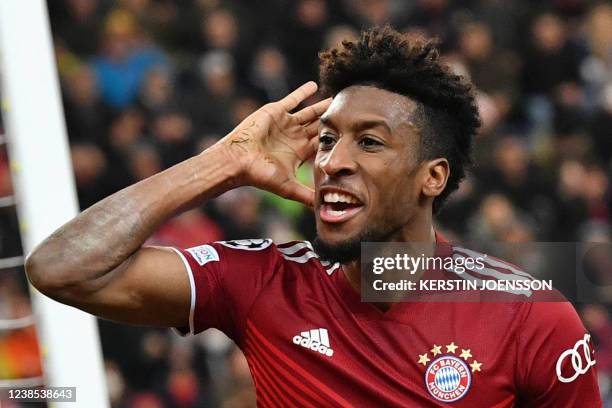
(315, 340)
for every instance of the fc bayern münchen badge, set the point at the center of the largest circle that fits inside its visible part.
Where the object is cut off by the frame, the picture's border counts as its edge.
(448, 378)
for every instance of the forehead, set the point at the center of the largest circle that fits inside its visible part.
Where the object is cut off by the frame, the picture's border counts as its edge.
(357, 103)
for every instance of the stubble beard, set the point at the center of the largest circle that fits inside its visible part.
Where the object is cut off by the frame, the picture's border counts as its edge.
(350, 250)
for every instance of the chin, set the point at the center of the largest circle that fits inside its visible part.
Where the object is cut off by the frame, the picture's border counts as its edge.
(336, 244)
(336, 233)
(343, 251)
(333, 238)
(343, 247)
(336, 237)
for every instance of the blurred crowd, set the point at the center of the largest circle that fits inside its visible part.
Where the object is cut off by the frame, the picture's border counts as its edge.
(149, 83)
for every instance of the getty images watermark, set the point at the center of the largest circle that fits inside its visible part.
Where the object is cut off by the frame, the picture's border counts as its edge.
(458, 265)
(394, 272)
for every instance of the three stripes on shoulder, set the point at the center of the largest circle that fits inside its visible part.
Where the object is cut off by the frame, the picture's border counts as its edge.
(296, 253)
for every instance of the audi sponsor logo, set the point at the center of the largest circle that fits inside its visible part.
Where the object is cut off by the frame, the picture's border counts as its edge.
(580, 357)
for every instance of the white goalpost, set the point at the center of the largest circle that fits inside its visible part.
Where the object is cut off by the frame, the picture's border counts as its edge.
(45, 191)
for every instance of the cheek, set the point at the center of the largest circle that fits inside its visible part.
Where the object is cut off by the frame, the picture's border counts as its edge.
(398, 197)
(396, 191)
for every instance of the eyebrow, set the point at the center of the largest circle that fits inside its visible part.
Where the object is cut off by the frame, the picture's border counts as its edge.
(359, 125)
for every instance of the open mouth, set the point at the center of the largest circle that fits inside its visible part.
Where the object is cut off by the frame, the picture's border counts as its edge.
(338, 206)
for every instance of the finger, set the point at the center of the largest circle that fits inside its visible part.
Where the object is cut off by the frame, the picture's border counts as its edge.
(296, 97)
(309, 151)
(312, 148)
(294, 190)
(312, 129)
(312, 112)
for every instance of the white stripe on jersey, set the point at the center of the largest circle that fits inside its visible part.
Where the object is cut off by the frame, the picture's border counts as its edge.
(493, 262)
(301, 259)
(333, 268)
(295, 248)
(491, 272)
(289, 254)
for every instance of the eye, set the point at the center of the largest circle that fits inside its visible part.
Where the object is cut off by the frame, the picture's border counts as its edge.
(326, 141)
(369, 142)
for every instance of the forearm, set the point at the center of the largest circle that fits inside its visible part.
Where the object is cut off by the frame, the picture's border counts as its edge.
(105, 235)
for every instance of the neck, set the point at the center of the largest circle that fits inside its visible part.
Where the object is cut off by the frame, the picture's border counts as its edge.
(419, 229)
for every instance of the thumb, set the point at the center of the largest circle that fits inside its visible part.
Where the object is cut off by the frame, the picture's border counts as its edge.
(294, 190)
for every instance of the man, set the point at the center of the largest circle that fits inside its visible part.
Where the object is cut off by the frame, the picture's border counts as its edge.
(390, 147)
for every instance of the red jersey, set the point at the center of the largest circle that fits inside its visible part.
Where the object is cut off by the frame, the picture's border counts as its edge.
(310, 341)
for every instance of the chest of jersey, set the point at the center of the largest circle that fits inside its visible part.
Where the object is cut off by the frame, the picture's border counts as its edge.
(311, 342)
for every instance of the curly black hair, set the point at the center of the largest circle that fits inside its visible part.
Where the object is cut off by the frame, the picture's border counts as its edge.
(446, 114)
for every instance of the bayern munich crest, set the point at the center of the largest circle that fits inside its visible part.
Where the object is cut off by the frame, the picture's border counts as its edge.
(448, 377)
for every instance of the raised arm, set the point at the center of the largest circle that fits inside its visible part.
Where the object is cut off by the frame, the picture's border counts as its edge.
(97, 261)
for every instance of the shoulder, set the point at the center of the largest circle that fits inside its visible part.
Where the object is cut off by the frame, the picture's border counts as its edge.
(258, 244)
(302, 252)
(553, 316)
(299, 251)
(262, 251)
(508, 281)
(232, 255)
(536, 306)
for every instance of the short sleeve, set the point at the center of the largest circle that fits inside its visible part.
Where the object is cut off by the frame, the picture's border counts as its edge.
(556, 360)
(225, 278)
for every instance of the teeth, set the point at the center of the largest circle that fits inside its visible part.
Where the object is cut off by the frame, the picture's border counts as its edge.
(339, 198)
(336, 213)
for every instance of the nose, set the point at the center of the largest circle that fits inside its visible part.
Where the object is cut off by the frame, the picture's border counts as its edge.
(338, 161)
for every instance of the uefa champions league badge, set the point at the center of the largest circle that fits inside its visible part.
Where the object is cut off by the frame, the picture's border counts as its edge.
(448, 375)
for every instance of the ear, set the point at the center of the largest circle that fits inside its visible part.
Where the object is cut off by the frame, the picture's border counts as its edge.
(436, 173)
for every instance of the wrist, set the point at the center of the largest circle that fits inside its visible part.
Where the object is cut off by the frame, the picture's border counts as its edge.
(234, 148)
(228, 171)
